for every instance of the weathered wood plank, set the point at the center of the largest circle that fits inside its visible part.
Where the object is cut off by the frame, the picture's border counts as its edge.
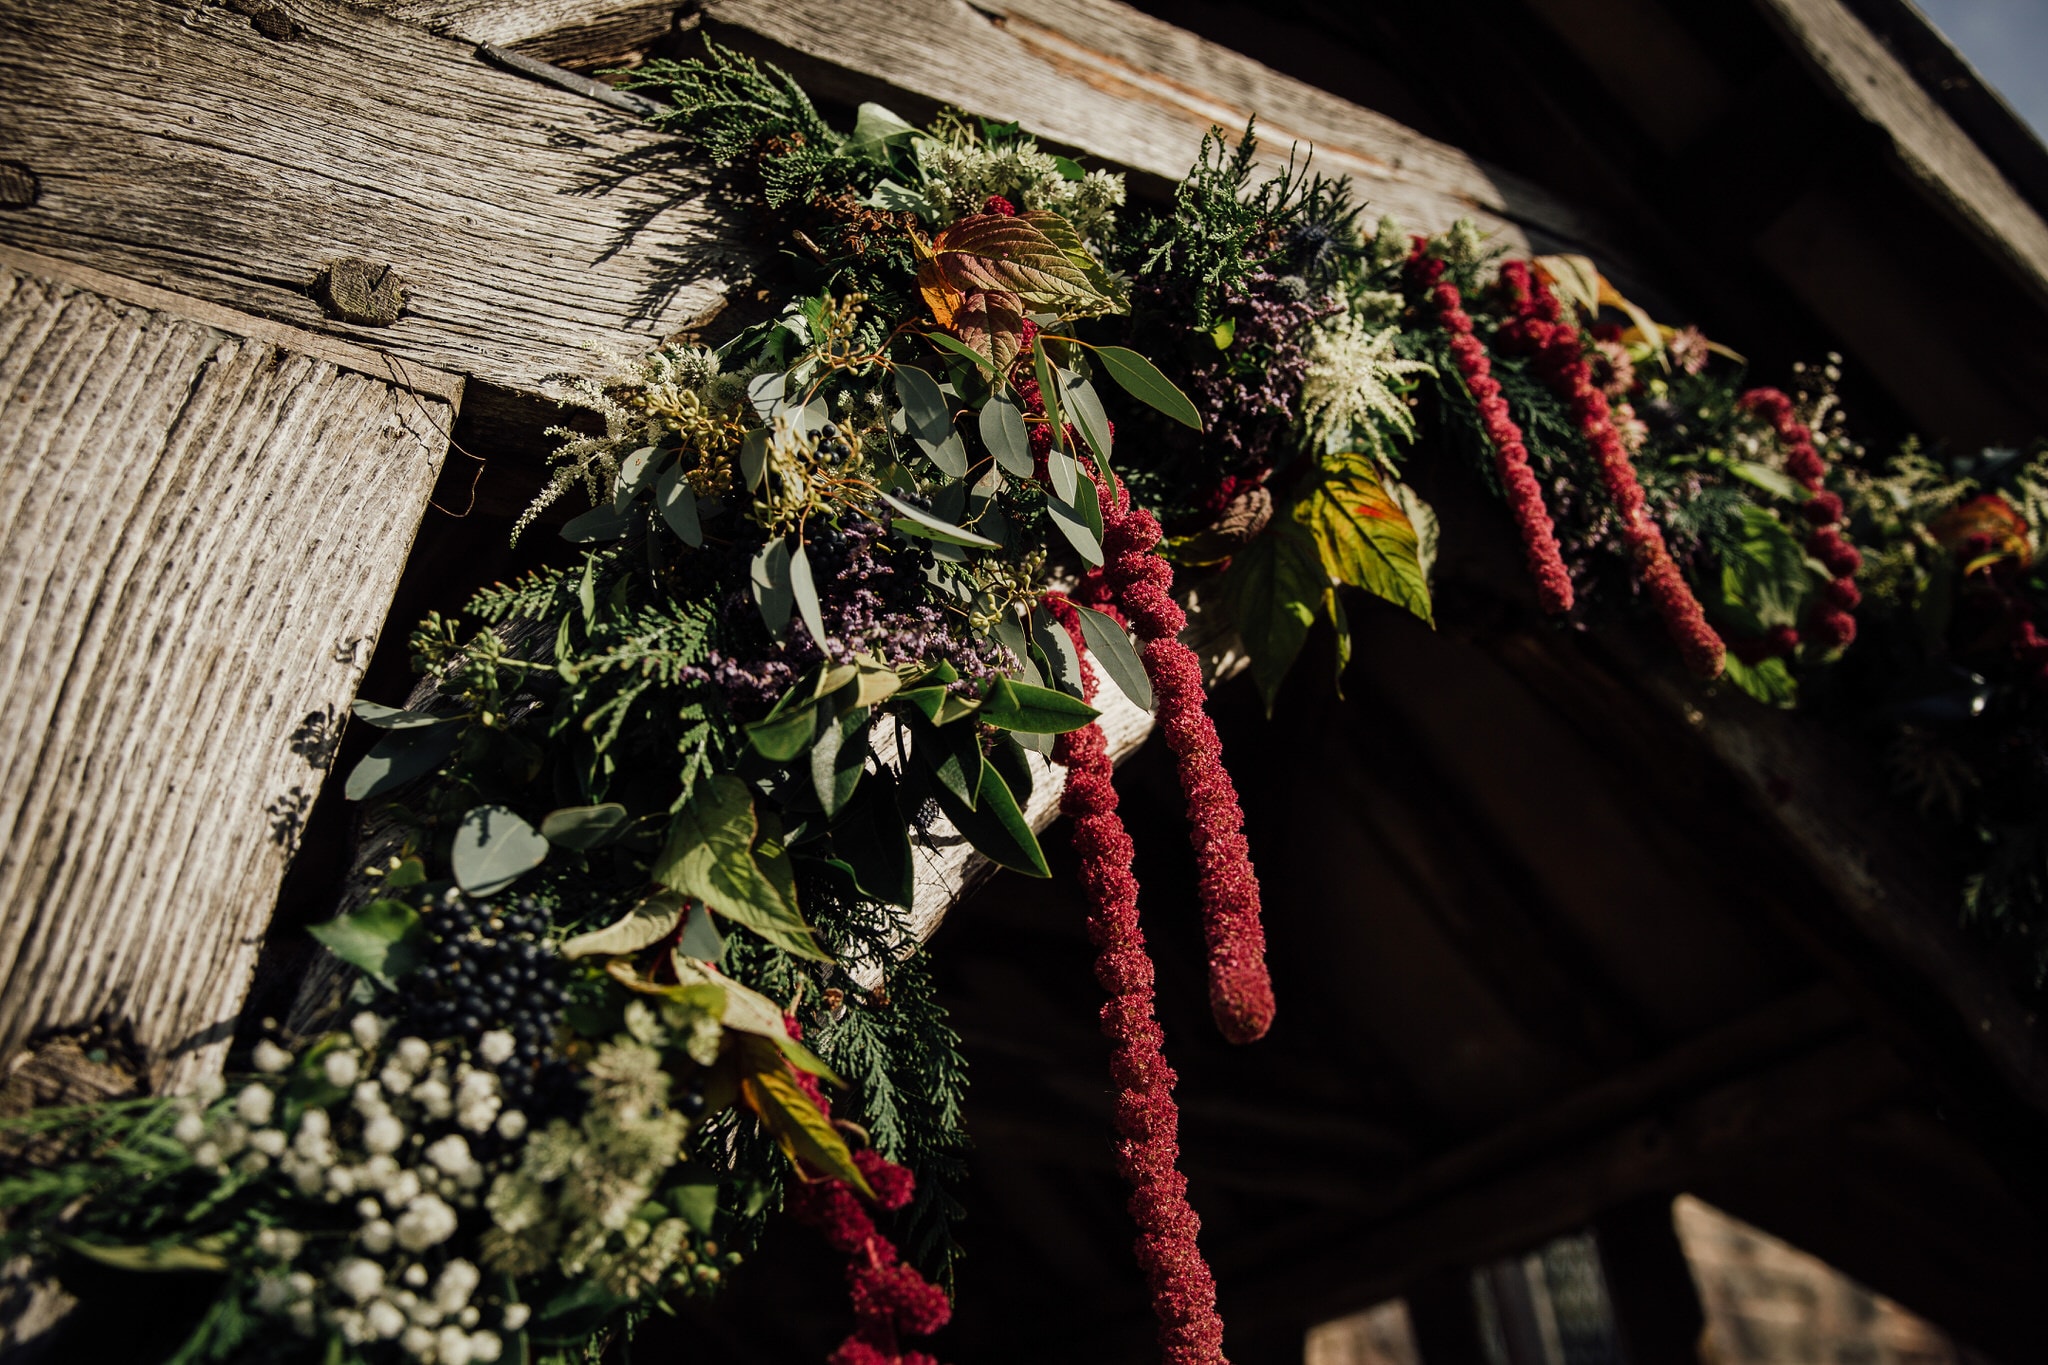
(184, 148)
(1137, 92)
(1937, 155)
(200, 533)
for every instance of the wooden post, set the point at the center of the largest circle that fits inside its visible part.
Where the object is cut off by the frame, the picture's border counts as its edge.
(1445, 1316)
(1649, 1282)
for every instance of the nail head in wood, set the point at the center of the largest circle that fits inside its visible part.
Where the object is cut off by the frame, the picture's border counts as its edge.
(360, 291)
(18, 185)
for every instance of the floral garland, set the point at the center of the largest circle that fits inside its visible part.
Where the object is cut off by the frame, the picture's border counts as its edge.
(629, 931)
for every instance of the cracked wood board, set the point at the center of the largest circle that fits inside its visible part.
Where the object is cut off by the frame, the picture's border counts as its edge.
(185, 148)
(201, 528)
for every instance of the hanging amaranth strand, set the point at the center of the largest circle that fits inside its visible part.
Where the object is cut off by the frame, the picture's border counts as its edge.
(1537, 328)
(1831, 622)
(1147, 1121)
(1511, 453)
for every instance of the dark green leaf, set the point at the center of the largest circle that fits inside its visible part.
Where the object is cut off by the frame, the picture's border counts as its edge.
(494, 848)
(929, 420)
(1112, 649)
(694, 1197)
(872, 839)
(768, 580)
(383, 938)
(839, 758)
(995, 825)
(1141, 379)
(1007, 753)
(399, 758)
(1770, 682)
(636, 471)
(1063, 661)
(583, 827)
(1275, 587)
(701, 938)
(1004, 433)
(710, 856)
(1039, 710)
(780, 738)
(953, 344)
(952, 754)
(678, 503)
(923, 523)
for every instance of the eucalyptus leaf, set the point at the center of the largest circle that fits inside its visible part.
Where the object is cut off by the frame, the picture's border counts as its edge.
(647, 923)
(1112, 649)
(1004, 433)
(494, 848)
(961, 348)
(806, 593)
(1141, 379)
(874, 129)
(923, 523)
(701, 938)
(754, 458)
(636, 471)
(400, 757)
(769, 582)
(1064, 474)
(583, 827)
(392, 718)
(781, 738)
(767, 392)
(1073, 524)
(600, 523)
(926, 415)
(1064, 662)
(1084, 405)
(678, 504)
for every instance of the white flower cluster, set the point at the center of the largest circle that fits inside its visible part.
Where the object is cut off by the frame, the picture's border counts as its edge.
(959, 176)
(579, 1199)
(399, 1147)
(1348, 393)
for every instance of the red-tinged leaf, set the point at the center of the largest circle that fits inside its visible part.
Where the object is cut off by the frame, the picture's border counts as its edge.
(1361, 533)
(987, 252)
(991, 324)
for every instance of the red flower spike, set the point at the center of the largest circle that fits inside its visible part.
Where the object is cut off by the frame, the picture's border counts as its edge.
(1240, 992)
(1511, 454)
(1537, 327)
(888, 1297)
(1830, 622)
(1147, 1121)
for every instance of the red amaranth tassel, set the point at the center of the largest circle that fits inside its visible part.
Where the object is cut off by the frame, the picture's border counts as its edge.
(888, 1297)
(1830, 621)
(1511, 454)
(1147, 1120)
(1240, 992)
(1537, 327)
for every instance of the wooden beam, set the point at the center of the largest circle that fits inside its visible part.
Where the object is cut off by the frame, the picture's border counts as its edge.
(1649, 1282)
(186, 149)
(1117, 84)
(202, 527)
(1351, 1262)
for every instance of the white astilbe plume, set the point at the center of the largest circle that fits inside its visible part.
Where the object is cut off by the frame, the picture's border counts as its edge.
(1349, 386)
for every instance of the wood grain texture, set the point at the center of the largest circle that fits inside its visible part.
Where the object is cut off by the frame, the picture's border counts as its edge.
(1135, 91)
(200, 534)
(183, 148)
(1937, 154)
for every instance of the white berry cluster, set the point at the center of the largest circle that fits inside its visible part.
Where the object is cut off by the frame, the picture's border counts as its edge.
(397, 1152)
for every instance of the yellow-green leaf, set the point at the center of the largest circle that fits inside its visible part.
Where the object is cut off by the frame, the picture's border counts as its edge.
(649, 922)
(798, 1126)
(1363, 536)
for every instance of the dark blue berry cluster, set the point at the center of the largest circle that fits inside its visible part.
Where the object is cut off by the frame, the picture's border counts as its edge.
(491, 967)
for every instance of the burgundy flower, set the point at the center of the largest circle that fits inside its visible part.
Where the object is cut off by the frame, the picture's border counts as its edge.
(1147, 1120)
(1511, 455)
(1536, 327)
(1830, 621)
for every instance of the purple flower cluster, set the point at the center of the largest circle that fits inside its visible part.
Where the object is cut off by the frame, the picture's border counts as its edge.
(874, 599)
(1249, 393)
